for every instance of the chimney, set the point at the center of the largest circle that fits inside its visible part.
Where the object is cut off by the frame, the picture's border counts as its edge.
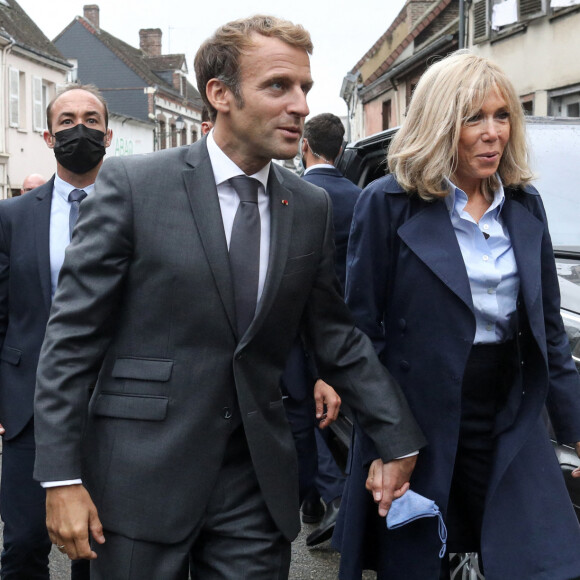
(91, 13)
(150, 41)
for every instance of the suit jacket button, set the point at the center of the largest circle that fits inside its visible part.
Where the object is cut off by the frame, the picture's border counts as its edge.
(405, 365)
(240, 356)
(402, 324)
(227, 413)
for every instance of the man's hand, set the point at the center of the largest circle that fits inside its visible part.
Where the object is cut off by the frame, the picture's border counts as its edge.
(389, 481)
(324, 394)
(70, 514)
(576, 472)
(2, 430)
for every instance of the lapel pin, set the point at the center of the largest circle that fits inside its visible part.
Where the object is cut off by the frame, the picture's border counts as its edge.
(284, 202)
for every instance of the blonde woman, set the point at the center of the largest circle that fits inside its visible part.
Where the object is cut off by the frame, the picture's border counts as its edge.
(452, 275)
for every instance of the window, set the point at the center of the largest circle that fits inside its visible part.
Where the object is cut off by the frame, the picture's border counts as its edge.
(495, 16)
(387, 114)
(14, 97)
(573, 109)
(565, 102)
(73, 74)
(41, 94)
(162, 135)
(37, 116)
(48, 91)
(556, 4)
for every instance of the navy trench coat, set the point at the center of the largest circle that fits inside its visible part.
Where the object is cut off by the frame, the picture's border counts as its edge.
(408, 289)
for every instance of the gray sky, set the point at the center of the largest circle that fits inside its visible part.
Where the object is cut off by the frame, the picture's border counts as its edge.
(341, 31)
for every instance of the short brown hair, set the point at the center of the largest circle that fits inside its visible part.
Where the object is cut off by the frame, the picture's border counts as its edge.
(74, 87)
(218, 57)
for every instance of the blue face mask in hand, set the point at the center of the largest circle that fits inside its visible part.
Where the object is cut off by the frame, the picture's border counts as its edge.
(411, 507)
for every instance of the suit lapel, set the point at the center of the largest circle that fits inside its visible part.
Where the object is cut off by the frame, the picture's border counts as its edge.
(281, 214)
(430, 236)
(41, 217)
(202, 193)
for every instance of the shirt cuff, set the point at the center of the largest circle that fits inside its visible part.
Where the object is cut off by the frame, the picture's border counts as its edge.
(408, 455)
(47, 484)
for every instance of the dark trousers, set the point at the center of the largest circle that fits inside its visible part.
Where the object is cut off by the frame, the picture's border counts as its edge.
(319, 475)
(23, 510)
(487, 379)
(302, 418)
(237, 537)
(329, 478)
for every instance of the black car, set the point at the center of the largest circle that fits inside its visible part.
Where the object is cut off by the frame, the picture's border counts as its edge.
(555, 146)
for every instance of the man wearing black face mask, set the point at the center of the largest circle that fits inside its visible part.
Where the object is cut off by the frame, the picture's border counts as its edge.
(34, 232)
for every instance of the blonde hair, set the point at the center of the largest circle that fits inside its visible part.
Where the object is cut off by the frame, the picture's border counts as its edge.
(424, 151)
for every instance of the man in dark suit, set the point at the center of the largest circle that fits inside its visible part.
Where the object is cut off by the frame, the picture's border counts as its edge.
(184, 448)
(34, 232)
(321, 146)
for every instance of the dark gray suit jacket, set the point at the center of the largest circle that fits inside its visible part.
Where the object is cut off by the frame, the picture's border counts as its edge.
(145, 310)
(24, 301)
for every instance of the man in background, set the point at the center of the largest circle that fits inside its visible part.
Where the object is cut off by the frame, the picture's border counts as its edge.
(321, 145)
(34, 232)
(31, 181)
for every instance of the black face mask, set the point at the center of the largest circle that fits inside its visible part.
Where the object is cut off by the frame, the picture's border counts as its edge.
(79, 149)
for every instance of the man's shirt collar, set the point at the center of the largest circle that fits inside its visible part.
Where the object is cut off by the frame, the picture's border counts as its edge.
(62, 188)
(318, 166)
(224, 168)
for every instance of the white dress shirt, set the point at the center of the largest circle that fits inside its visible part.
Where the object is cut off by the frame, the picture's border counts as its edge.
(59, 231)
(223, 170)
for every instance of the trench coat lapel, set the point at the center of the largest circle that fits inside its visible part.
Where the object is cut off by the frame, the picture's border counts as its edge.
(42, 240)
(429, 234)
(525, 233)
(202, 193)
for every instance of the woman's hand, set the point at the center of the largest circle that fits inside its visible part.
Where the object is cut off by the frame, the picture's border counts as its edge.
(389, 481)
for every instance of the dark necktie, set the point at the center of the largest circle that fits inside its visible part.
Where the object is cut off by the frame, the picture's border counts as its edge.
(245, 251)
(75, 197)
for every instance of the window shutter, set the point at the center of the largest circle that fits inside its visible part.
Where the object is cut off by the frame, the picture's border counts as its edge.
(529, 8)
(37, 117)
(14, 97)
(480, 21)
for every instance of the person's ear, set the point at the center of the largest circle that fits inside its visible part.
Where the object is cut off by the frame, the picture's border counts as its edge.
(48, 139)
(108, 137)
(219, 95)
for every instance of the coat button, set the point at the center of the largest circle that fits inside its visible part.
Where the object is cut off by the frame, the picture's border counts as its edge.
(404, 365)
(402, 324)
(227, 413)
(240, 356)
